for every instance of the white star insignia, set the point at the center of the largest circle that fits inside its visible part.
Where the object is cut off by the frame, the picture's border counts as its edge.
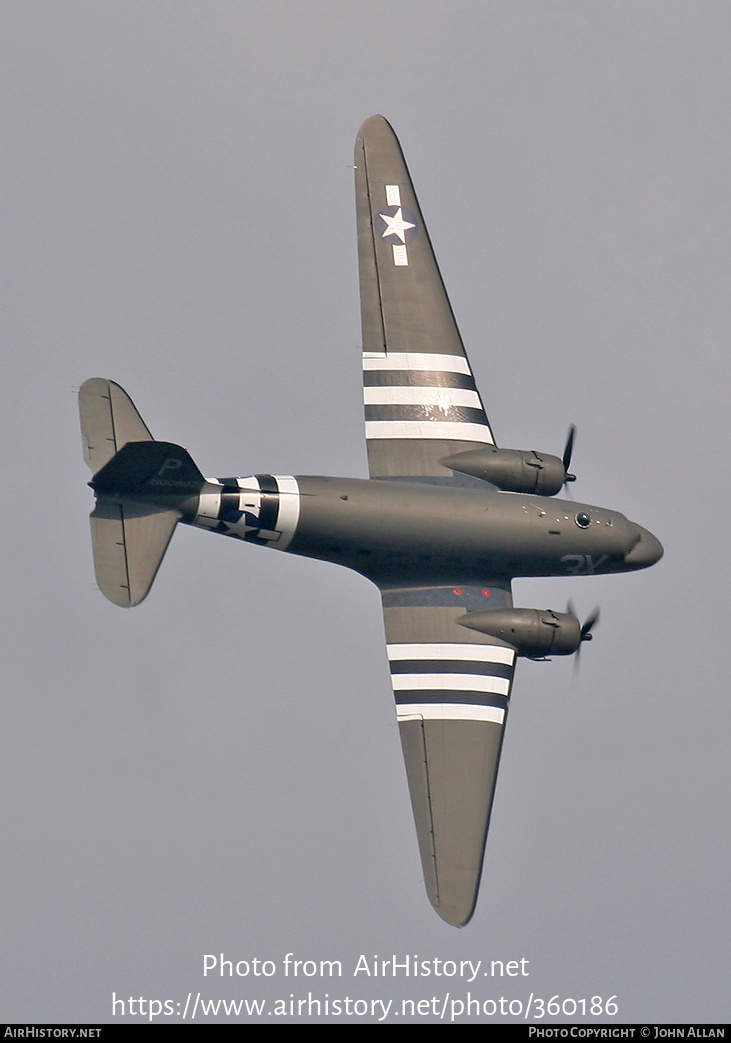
(396, 225)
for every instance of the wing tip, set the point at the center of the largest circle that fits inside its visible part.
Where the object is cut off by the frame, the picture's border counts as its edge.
(373, 126)
(456, 914)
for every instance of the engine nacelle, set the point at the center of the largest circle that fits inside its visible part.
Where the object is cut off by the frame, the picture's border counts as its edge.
(532, 632)
(513, 470)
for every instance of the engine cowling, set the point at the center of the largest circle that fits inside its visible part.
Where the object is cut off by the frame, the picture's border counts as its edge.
(512, 470)
(532, 632)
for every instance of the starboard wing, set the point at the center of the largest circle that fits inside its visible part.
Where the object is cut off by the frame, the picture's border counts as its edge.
(452, 687)
(421, 402)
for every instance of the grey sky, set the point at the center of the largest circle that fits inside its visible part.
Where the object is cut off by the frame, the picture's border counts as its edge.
(219, 770)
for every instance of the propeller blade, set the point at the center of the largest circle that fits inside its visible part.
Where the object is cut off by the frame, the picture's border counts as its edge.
(589, 624)
(586, 630)
(567, 454)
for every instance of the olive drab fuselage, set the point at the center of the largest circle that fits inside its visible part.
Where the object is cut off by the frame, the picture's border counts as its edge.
(448, 533)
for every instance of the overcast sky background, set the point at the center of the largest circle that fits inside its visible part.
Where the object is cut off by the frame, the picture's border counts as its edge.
(219, 770)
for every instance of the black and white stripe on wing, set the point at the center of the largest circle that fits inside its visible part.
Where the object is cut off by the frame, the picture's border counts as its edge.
(413, 395)
(449, 681)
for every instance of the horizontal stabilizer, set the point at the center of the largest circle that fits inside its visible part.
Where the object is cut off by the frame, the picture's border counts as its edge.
(108, 420)
(129, 542)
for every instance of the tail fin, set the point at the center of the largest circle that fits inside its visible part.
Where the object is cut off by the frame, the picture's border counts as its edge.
(159, 472)
(140, 486)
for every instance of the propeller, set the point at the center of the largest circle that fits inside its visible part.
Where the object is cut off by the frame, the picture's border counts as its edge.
(586, 630)
(567, 453)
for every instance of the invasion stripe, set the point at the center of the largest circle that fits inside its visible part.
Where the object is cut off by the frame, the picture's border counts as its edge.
(418, 378)
(450, 682)
(416, 360)
(289, 508)
(455, 414)
(440, 695)
(451, 650)
(436, 396)
(249, 484)
(267, 483)
(450, 666)
(209, 504)
(429, 429)
(269, 508)
(449, 712)
(229, 501)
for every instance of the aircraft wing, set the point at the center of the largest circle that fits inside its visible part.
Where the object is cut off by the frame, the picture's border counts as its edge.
(421, 403)
(452, 687)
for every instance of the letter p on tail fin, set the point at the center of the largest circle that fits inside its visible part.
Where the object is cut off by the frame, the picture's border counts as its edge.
(141, 487)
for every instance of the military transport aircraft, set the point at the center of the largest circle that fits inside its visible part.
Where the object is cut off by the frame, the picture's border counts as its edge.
(444, 524)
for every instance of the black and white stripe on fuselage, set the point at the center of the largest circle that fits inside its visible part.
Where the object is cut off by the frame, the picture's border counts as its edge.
(411, 395)
(460, 682)
(262, 508)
